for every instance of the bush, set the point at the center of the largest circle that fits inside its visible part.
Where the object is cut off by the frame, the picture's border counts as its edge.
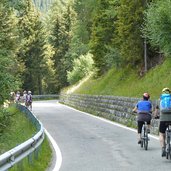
(4, 119)
(158, 25)
(82, 67)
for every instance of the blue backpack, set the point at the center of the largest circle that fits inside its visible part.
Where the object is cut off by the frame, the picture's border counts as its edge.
(165, 102)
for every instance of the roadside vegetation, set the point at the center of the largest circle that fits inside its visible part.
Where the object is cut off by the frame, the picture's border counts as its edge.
(127, 82)
(47, 45)
(38, 164)
(15, 128)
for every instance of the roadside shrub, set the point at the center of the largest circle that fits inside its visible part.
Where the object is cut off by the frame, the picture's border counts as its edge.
(5, 118)
(82, 67)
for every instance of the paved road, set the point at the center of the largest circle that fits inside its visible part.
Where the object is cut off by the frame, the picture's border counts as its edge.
(91, 144)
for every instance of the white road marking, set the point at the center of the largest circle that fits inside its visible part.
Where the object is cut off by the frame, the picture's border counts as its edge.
(110, 122)
(57, 151)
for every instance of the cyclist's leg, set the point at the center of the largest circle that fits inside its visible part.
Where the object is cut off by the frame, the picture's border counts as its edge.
(148, 126)
(148, 120)
(162, 129)
(140, 124)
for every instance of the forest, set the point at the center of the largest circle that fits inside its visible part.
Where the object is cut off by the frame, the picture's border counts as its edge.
(47, 45)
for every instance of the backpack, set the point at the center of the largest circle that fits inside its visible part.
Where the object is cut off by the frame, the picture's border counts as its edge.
(165, 102)
(29, 98)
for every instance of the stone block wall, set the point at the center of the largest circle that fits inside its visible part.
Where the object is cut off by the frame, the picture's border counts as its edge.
(115, 108)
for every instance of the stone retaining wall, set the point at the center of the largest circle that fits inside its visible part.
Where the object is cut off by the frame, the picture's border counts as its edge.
(115, 108)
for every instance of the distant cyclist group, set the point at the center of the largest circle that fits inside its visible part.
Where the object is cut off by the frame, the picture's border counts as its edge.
(24, 98)
(162, 110)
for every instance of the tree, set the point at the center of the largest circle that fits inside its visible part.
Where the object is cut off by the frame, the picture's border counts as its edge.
(102, 33)
(158, 25)
(128, 30)
(32, 51)
(81, 29)
(8, 47)
(60, 40)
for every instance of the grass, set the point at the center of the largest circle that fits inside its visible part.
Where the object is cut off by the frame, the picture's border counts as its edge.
(39, 164)
(127, 82)
(18, 130)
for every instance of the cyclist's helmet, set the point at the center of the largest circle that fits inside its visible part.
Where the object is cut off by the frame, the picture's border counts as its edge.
(166, 90)
(146, 96)
(29, 92)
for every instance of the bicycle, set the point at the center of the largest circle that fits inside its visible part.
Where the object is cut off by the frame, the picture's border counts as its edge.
(144, 136)
(168, 138)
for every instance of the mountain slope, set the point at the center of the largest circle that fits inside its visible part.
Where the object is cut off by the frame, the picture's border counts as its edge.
(126, 82)
(44, 5)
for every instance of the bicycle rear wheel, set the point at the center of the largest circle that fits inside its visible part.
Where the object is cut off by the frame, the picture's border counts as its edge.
(168, 150)
(142, 142)
(145, 139)
(146, 142)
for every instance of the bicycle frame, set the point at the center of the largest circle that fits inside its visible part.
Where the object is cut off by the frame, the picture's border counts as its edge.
(168, 138)
(144, 136)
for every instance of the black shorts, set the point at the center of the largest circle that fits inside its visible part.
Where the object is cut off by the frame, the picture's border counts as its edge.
(140, 125)
(163, 125)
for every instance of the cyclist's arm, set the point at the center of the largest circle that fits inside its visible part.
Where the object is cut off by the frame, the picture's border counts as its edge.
(156, 112)
(135, 109)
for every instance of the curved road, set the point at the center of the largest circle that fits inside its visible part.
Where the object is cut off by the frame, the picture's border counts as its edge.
(88, 143)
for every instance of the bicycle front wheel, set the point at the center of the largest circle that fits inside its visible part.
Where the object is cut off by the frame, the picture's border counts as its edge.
(146, 142)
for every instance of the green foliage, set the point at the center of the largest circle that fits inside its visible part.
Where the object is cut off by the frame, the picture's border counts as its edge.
(103, 24)
(128, 29)
(40, 164)
(4, 120)
(109, 29)
(125, 82)
(81, 30)
(158, 25)
(8, 49)
(13, 133)
(33, 50)
(12, 129)
(82, 67)
(60, 40)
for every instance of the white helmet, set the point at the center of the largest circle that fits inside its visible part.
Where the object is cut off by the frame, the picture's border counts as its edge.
(29, 92)
(166, 90)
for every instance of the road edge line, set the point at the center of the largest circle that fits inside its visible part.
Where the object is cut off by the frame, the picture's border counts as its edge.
(111, 122)
(57, 151)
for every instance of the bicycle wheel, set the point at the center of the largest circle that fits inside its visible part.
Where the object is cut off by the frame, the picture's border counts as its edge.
(142, 137)
(145, 139)
(142, 142)
(146, 142)
(168, 151)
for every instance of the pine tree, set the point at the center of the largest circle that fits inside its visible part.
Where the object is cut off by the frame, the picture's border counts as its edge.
(61, 37)
(102, 33)
(32, 51)
(128, 30)
(8, 48)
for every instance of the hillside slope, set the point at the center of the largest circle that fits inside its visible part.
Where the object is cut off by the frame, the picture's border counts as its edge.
(126, 82)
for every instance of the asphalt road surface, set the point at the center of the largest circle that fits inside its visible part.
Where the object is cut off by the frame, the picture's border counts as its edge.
(88, 143)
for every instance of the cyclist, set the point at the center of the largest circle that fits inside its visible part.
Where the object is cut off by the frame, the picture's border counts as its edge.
(144, 110)
(24, 98)
(17, 97)
(29, 100)
(165, 116)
